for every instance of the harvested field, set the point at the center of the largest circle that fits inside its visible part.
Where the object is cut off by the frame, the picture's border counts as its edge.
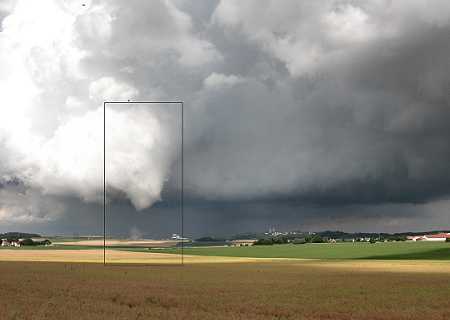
(124, 243)
(390, 266)
(52, 283)
(83, 256)
(293, 289)
(112, 256)
(119, 256)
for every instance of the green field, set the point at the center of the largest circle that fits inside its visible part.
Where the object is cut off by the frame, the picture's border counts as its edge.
(323, 251)
(361, 250)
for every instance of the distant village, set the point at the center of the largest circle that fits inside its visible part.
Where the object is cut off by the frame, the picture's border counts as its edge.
(24, 242)
(321, 237)
(297, 237)
(428, 237)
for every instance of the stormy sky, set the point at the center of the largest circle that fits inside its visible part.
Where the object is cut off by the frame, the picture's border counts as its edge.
(298, 115)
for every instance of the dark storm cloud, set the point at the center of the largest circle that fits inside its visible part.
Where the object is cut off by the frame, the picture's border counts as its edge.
(370, 128)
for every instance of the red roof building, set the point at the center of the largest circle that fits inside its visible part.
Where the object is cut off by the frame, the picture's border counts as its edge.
(436, 237)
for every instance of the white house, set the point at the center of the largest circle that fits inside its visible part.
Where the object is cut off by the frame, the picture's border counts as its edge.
(414, 238)
(5, 243)
(178, 237)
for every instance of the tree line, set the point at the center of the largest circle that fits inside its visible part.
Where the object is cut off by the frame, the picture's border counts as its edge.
(270, 241)
(315, 239)
(27, 241)
(292, 235)
(19, 235)
(30, 242)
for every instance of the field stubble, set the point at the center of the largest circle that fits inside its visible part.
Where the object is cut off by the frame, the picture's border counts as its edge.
(240, 290)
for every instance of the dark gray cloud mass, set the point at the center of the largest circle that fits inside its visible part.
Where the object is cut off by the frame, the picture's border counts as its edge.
(298, 115)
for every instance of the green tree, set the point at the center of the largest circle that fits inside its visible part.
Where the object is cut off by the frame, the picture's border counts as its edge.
(447, 240)
(27, 242)
(302, 241)
(308, 239)
(372, 240)
(10, 239)
(382, 239)
(277, 241)
(317, 239)
(263, 242)
(205, 239)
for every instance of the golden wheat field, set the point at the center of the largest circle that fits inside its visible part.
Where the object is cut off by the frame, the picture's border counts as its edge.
(123, 243)
(35, 286)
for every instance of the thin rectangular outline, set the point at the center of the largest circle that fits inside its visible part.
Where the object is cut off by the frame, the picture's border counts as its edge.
(104, 182)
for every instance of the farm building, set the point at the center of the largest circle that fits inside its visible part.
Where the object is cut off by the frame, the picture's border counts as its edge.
(436, 237)
(5, 243)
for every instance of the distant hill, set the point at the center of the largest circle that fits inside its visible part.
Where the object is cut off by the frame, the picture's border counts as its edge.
(19, 235)
(346, 235)
(252, 235)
